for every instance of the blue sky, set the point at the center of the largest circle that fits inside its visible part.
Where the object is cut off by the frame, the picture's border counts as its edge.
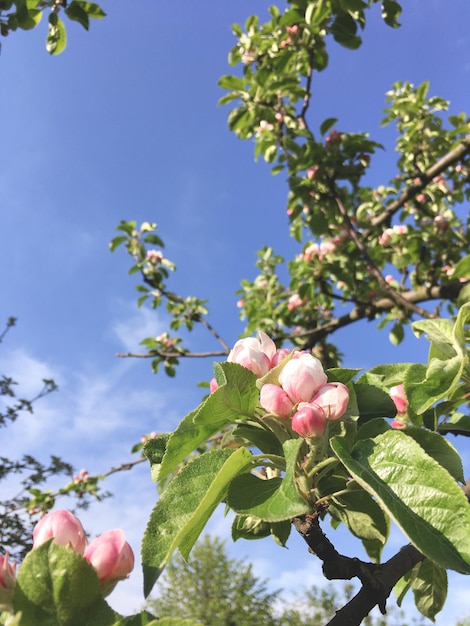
(125, 125)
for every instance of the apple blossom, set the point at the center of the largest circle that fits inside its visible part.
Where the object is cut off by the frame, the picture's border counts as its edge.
(275, 400)
(309, 420)
(7, 582)
(312, 171)
(279, 355)
(302, 377)
(264, 125)
(398, 396)
(294, 302)
(63, 527)
(154, 256)
(333, 398)
(112, 558)
(254, 354)
(213, 384)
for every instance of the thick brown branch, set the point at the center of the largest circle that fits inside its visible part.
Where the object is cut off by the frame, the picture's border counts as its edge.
(377, 580)
(449, 291)
(450, 158)
(385, 578)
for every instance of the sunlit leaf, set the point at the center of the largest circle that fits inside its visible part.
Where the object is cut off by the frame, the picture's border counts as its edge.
(419, 494)
(185, 506)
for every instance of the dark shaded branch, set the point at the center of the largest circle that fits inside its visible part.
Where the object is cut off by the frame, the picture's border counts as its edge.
(450, 158)
(394, 294)
(377, 580)
(449, 291)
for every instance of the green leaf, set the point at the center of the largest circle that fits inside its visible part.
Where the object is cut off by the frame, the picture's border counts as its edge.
(439, 449)
(364, 518)
(373, 402)
(27, 18)
(256, 436)
(462, 269)
(231, 82)
(117, 241)
(271, 500)
(448, 358)
(237, 396)
(397, 334)
(56, 40)
(185, 506)
(385, 376)
(186, 438)
(429, 584)
(154, 450)
(458, 423)
(56, 585)
(249, 527)
(174, 621)
(422, 498)
(391, 11)
(92, 9)
(344, 30)
(234, 400)
(76, 13)
(327, 124)
(317, 12)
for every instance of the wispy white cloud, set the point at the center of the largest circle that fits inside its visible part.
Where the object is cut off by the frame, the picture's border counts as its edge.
(136, 324)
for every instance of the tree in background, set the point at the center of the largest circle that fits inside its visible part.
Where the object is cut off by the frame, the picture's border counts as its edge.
(214, 590)
(317, 606)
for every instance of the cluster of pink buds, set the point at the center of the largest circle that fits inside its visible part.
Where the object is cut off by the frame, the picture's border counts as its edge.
(333, 137)
(81, 477)
(388, 233)
(7, 582)
(318, 250)
(294, 302)
(145, 438)
(109, 554)
(154, 256)
(303, 393)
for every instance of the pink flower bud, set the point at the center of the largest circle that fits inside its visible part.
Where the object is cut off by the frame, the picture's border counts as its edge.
(154, 256)
(397, 424)
(279, 355)
(275, 400)
(333, 398)
(213, 385)
(398, 396)
(309, 420)
(294, 302)
(254, 354)
(311, 172)
(7, 582)
(302, 376)
(112, 558)
(63, 527)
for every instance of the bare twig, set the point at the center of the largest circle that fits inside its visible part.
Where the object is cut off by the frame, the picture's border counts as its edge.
(170, 355)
